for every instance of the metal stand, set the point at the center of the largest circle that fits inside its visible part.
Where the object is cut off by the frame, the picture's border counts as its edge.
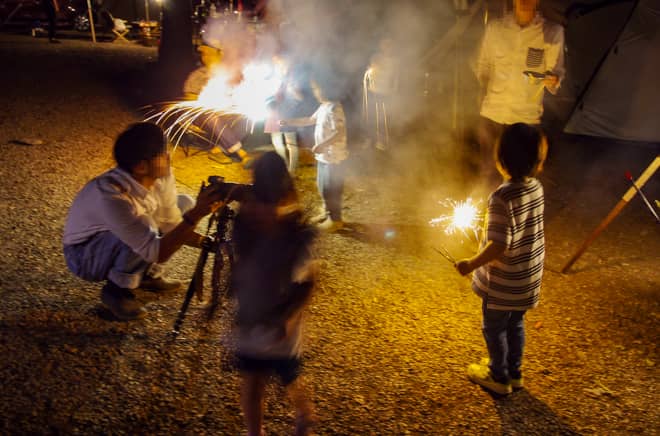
(221, 245)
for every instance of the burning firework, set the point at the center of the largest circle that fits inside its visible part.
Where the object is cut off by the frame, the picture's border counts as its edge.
(464, 218)
(221, 105)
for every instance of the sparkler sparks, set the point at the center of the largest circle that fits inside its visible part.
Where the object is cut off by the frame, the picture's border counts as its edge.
(464, 218)
(221, 105)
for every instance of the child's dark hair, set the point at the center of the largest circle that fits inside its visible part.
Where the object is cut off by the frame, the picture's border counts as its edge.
(272, 181)
(520, 151)
(139, 142)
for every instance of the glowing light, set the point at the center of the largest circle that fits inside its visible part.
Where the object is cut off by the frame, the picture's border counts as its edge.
(464, 217)
(222, 104)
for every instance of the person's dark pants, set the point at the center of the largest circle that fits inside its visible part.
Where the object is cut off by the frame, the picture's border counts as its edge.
(49, 8)
(224, 131)
(504, 332)
(330, 182)
(488, 133)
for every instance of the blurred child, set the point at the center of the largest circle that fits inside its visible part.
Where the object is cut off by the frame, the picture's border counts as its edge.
(330, 150)
(293, 99)
(509, 265)
(272, 280)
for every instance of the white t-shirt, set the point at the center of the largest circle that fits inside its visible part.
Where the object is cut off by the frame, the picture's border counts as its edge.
(330, 123)
(507, 51)
(116, 202)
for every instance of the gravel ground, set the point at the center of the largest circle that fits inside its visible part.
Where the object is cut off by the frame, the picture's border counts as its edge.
(392, 326)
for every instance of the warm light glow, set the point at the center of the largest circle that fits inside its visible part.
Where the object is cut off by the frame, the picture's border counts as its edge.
(464, 217)
(228, 103)
(248, 98)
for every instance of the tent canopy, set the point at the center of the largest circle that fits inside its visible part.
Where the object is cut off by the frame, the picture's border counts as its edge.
(613, 60)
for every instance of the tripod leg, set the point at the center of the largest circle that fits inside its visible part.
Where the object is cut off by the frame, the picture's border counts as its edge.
(216, 283)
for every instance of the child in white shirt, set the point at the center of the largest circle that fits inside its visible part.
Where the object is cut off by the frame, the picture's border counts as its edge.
(330, 150)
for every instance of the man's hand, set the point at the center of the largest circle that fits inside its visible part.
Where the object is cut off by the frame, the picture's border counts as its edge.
(464, 267)
(551, 81)
(209, 200)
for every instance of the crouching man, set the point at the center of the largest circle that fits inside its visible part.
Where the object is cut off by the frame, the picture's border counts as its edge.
(124, 223)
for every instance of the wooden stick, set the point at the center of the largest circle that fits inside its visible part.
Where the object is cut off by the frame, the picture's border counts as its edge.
(91, 20)
(650, 170)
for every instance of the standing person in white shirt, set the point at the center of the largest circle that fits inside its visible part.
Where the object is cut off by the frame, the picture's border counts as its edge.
(330, 150)
(128, 220)
(381, 83)
(521, 55)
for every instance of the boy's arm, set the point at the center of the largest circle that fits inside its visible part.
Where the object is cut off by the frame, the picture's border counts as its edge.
(490, 252)
(321, 146)
(298, 122)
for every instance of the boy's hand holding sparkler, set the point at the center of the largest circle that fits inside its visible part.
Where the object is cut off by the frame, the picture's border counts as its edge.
(491, 251)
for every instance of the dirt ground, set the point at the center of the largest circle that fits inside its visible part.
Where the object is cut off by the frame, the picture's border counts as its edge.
(392, 326)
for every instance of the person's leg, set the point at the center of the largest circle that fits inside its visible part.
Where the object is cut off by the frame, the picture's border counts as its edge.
(277, 139)
(228, 136)
(516, 342)
(334, 190)
(488, 133)
(252, 400)
(493, 376)
(106, 257)
(299, 397)
(289, 371)
(495, 333)
(291, 139)
(52, 19)
(321, 182)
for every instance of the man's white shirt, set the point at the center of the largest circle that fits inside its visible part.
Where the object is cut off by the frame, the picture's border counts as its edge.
(507, 51)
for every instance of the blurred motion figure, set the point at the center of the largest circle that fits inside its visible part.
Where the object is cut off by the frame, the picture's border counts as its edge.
(272, 279)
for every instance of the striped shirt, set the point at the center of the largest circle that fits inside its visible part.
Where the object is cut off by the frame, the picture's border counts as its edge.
(515, 219)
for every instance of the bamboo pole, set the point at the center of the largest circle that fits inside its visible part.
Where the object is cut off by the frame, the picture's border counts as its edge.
(646, 175)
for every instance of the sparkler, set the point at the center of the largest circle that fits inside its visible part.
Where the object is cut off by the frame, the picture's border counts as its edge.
(465, 218)
(221, 105)
(444, 253)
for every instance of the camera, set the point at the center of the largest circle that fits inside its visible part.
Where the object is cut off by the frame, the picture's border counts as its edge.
(228, 190)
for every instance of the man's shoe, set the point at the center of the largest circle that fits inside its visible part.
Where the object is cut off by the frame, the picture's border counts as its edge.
(482, 376)
(121, 302)
(160, 284)
(329, 225)
(54, 41)
(322, 216)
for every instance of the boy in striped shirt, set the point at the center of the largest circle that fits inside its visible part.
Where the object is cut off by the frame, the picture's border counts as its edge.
(509, 265)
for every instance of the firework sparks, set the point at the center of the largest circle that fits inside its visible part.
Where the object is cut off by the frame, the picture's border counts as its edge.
(464, 217)
(221, 105)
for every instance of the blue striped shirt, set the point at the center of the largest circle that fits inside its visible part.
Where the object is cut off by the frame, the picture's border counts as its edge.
(515, 220)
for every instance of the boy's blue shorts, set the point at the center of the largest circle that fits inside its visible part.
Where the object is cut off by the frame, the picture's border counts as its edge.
(287, 369)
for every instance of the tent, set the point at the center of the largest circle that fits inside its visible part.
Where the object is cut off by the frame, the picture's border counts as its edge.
(613, 62)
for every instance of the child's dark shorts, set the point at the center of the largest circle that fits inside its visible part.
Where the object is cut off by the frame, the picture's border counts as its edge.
(287, 370)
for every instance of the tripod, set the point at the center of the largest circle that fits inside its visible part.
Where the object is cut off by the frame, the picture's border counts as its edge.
(219, 243)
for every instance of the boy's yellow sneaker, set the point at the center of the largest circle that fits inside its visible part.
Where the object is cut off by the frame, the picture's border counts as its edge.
(481, 375)
(517, 383)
